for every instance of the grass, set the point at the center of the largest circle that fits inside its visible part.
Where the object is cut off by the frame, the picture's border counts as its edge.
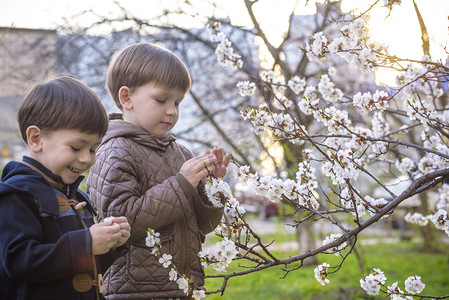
(398, 261)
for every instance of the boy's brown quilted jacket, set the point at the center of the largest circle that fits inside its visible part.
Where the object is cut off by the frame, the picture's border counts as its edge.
(136, 175)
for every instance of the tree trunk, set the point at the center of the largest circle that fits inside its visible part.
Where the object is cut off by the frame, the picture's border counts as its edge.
(306, 241)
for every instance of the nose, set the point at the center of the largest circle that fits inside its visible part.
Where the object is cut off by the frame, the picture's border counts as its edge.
(171, 109)
(85, 156)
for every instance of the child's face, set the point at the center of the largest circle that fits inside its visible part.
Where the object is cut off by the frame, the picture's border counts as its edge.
(67, 152)
(154, 108)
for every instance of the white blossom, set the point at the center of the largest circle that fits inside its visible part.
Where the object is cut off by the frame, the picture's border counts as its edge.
(416, 218)
(267, 75)
(316, 50)
(198, 294)
(321, 273)
(246, 88)
(173, 275)
(405, 165)
(413, 285)
(395, 292)
(152, 238)
(328, 90)
(165, 260)
(297, 84)
(372, 283)
(220, 256)
(183, 284)
(336, 249)
(440, 219)
(278, 86)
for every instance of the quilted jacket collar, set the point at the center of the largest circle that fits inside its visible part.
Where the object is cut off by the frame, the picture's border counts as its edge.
(120, 128)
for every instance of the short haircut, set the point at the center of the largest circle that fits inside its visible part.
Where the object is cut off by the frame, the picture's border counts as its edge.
(62, 102)
(142, 63)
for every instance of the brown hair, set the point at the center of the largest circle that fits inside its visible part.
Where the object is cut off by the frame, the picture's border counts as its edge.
(62, 102)
(141, 63)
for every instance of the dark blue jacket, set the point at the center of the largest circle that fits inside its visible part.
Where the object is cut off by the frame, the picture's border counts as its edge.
(44, 241)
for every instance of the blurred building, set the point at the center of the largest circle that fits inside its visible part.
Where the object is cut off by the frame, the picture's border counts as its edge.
(26, 56)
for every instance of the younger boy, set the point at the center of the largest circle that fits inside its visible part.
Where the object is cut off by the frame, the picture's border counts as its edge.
(143, 174)
(50, 247)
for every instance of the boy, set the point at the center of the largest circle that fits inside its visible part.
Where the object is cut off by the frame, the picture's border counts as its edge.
(143, 174)
(50, 247)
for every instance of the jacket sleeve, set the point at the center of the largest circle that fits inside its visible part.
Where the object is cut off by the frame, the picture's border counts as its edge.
(208, 216)
(24, 253)
(115, 188)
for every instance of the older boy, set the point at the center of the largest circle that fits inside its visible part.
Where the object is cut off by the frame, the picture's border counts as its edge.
(143, 174)
(50, 247)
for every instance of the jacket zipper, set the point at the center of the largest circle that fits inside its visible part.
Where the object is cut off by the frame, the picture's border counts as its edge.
(185, 261)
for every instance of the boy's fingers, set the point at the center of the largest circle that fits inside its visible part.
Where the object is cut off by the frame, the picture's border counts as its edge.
(120, 220)
(226, 159)
(106, 222)
(218, 154)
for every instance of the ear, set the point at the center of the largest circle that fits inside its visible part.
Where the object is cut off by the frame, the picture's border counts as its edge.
(124, 94)
(34, 138)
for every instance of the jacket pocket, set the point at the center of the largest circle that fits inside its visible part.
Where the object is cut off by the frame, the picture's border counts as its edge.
(143, 267)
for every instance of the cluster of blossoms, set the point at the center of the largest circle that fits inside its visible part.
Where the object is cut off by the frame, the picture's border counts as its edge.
(297, 84)
(224, 51)
(278, 86)
(368, 102)
(353, 40)
(321, 273)
(368, 204)
(431, 161)
(220, 256)
(416, 218)
(439, 219)
(260, 119)
(219, 193)
(185, 284)
(373, 282)
(339, 166)
(335, 120)
(264, 121)
(405, 165)
(420, 110)
(380, 129)
(300, 190)
(413, 285)
(415, 79)
(443, 200)
(246, 88)
(336, 249)
(357, 207)
(328, 90)
(318, 47)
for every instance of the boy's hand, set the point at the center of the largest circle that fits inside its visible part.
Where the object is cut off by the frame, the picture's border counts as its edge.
(105, 235)
(222, 162)
(125, 229)
(193, 169)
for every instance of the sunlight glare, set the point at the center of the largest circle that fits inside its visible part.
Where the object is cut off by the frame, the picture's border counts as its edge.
(401, 32)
